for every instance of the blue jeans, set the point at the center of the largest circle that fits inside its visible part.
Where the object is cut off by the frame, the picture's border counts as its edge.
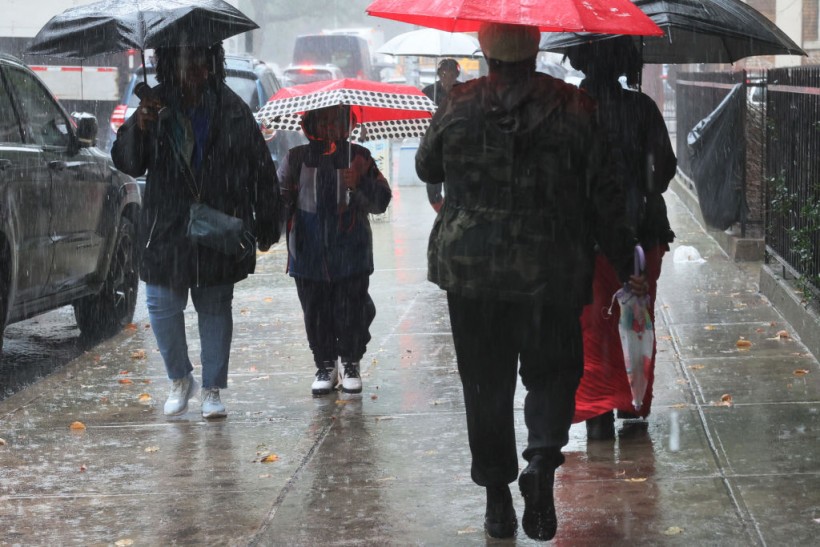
(213, 306)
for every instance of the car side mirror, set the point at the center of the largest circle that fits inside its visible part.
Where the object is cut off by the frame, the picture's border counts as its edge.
(87, 128)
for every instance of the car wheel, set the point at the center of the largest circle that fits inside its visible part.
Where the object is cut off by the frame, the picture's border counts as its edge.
(108, 311)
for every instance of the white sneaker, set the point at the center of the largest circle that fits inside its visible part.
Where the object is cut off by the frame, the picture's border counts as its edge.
(212, 406)
(351, 381)
(181, 391)
(325, 381)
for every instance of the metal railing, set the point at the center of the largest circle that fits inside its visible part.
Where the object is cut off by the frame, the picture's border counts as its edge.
(792, 172)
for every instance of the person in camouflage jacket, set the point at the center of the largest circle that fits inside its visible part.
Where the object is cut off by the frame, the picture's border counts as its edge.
(530, 193)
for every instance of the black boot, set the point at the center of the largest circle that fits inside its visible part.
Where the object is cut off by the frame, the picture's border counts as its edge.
(500, 520)
(601, 428)
(536, 483)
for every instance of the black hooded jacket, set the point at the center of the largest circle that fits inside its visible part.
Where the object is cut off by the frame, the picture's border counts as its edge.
(237, 176)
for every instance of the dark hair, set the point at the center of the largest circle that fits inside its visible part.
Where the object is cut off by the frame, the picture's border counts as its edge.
(309, 118)
(167, 62)
(449, 64)
(608, 58)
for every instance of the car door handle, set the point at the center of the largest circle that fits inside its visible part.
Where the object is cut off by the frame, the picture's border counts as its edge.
(5, 164)
(57, 165)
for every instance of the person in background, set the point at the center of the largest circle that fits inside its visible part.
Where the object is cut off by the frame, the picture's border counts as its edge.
(636, 131)
(530, 192)
(198, 142)
(329, 186)
(448, 72)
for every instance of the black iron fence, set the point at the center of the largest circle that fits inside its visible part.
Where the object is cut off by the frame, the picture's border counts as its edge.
(792, 172)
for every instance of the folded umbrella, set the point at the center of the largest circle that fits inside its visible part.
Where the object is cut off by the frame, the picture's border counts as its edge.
(636, 333)
(383, 111)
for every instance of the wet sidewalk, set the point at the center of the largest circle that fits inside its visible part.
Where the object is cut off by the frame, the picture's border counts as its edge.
(730, 456)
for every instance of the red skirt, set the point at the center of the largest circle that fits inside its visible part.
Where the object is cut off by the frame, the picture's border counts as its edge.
(605, 386)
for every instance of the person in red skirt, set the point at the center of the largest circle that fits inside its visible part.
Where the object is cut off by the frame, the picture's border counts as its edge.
(645, 163)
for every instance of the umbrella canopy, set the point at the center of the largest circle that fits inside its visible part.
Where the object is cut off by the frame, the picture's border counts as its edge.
(118, 25)
(430, 42)
(637, 334)
(697, 31)
(384, 111)
(604, 16)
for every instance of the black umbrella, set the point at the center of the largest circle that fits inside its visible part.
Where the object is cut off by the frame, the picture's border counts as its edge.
(110, 26)
(696, 31)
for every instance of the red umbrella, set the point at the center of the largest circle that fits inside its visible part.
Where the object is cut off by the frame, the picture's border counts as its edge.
(384, 110)
(601, 16)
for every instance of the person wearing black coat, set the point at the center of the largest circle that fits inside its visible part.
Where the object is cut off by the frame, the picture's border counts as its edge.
(198, 142)
(636, 132)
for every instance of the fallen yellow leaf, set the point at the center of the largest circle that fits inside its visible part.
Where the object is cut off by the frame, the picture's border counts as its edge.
(696, 367)
(636, 479)
(144, 397)
(673, 531)
(152, 449)
(124, 542)
(725, 400)
(268, 299)
(801, 372)
(264, 476)
(131, 327)
(125, 372)
(783, 334)
(138, 354)
(2, 442)
(270, 458)
(743, 343)
(709, 327)
(77, 426)
(125, 381)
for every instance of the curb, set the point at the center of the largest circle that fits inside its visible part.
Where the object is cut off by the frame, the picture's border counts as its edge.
(787, 299)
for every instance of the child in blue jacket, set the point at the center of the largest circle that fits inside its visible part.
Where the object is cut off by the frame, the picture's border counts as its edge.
(329, 186)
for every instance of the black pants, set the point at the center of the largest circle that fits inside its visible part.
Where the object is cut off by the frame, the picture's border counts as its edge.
(338, 315)
(490, 338)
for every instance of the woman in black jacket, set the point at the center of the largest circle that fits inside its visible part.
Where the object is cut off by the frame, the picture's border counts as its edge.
(198, 142)
(645, 163)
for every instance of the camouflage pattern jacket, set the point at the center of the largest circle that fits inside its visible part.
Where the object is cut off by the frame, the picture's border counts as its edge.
(530, 191)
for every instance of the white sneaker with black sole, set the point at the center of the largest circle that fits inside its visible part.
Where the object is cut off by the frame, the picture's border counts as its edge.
(181, 390)
(351, 379)
(326, 377)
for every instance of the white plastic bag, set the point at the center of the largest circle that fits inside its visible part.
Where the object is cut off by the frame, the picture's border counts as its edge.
(687, 255)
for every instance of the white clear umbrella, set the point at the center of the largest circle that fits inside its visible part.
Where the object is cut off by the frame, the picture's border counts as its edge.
(429, 42)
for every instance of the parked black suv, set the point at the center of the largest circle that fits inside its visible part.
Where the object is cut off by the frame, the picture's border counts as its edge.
(251, 79)
(66, 214)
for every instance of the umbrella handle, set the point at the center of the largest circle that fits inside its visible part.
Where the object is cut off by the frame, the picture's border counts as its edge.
(640, 260)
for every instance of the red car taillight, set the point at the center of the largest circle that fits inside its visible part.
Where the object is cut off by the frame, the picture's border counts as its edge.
(118, 117)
